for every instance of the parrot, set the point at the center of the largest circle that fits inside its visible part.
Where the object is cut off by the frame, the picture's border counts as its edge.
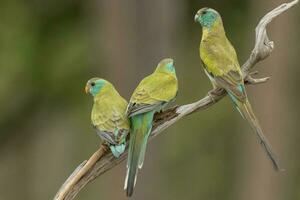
(221, 65)
(109, 114)
(152, 95)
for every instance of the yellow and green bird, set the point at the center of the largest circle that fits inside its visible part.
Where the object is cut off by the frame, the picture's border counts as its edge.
(152, 94)
(221, 65)
(109, 114)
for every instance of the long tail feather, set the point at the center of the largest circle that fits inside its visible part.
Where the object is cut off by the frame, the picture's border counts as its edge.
(141, 128)
(247, 112)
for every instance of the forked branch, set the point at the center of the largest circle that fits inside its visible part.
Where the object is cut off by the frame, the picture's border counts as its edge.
(102, 160)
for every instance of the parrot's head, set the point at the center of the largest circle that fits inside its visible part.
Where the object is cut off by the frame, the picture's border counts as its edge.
(207, 17)
(166, 65)
(95, 85)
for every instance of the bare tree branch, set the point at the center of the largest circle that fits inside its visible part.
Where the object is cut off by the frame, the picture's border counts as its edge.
(102, 160)
(263, 45)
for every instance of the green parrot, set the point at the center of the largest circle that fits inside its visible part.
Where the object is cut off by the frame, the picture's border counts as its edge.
(109, 114)
(221, 65)
(152, 94)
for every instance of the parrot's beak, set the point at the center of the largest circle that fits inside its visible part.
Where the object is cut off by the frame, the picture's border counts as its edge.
(196, 17)
(86, 89)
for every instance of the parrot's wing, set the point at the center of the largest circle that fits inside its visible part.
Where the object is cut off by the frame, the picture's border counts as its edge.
(233, 83)
(135, 109)
(141, 102)
(107, 136)
(116, 137)
(153, 92)
(111, 126)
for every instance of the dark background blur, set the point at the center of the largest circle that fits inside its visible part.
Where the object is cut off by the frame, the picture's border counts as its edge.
(50, 48)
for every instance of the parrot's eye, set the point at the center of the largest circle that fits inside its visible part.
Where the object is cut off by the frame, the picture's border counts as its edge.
(92, 84)
(204, 12)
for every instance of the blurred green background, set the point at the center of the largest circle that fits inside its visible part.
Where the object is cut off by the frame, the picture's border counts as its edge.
(50, 48)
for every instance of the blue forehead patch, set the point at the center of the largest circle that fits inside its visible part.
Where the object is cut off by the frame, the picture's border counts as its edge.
(208, 19)
(97, 87)
(170, 67)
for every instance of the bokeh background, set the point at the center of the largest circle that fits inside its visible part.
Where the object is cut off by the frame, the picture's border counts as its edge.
(50, 48)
